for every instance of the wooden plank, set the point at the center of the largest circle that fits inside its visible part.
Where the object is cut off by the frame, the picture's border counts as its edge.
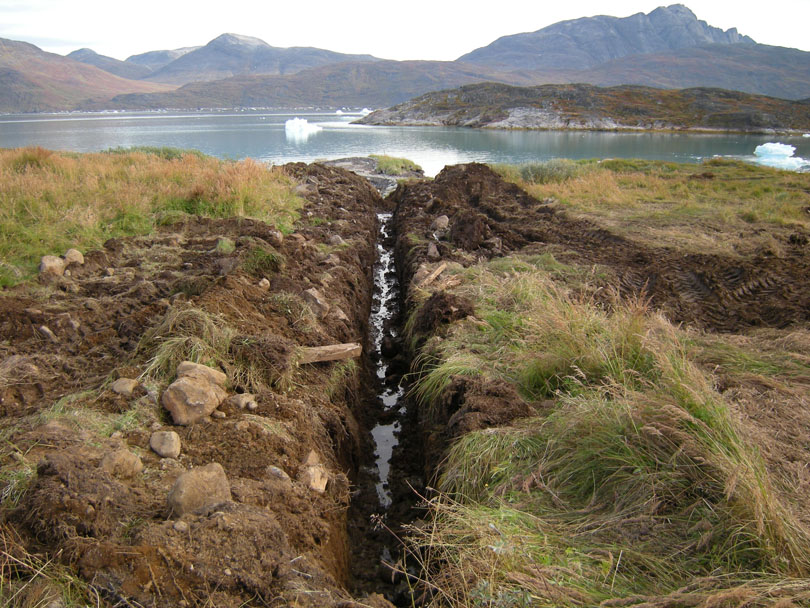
(432, 276)
(333, 352)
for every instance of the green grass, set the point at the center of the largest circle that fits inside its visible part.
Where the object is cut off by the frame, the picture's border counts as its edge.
(51, 201)
(638, 481)
(261, 261)
(391, 165)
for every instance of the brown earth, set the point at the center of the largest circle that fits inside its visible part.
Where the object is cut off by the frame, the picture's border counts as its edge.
(277, 542)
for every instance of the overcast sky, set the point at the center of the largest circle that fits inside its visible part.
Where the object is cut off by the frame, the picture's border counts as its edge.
(416, 29)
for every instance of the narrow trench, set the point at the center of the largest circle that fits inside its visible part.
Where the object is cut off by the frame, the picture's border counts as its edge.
(385, 495)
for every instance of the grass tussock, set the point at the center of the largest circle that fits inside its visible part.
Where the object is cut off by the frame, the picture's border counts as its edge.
(699, 207)
(51, 201)
(392, 165)
(638, 482)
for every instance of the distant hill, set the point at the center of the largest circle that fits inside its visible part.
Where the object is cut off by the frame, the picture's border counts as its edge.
(234, 55)
(32, 80)
(582, 106)
(379, 83)
(584, 43)
(109, 64)
(154, 60)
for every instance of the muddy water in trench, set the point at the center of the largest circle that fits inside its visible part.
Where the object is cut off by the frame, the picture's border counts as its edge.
(388, 481)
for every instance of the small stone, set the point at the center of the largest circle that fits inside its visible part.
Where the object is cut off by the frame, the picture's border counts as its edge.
(74, 256)
(264, 284)
(67, 273)
(191, 399)
(275, 238)
(109, 271)
(336, 240)
(122, 463)
(252, 406)
(165, 444)
(52, 265)
(240, 400)
(277, 473)
(194, 370)
(312, 458)
(117, 435)
(316, 478)
(124, 386)
(180, 526)
(199, 488)
(316, 302)
(227, 572)
(433, 252)
(440, 223)
(218, 414)
(46, 332)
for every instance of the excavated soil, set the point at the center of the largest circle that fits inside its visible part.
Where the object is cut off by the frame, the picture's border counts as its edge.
(279, 541)
(489, 217)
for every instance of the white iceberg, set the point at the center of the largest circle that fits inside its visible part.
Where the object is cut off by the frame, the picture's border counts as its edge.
(779, 156)
(299, 130)
(365, 111)
(806, 135)
(339, 112)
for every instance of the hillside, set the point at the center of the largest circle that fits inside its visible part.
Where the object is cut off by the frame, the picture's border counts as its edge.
(587, 107)
(380, 83)
(233, 55)
(109, 64)
(32, 80)
(154, 60)
(585, 43)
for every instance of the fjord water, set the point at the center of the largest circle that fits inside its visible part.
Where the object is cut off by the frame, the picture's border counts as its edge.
(261, 135)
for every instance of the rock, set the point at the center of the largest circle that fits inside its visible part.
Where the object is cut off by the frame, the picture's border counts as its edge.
(312, 458)
(264, 284)
(190, 399)
(275, 238)
(440, 223)
(316, 477)
(74, 256)
(389, 348)
(195, 370)
(122, 463)
(494, 244)
(433, 252)
(242, 426)
(277, 473)
(124, 386)
(180, 526)
(51, 265)
(109, 271)
(199, 488)
(226, 265)
(241, 401)
(219, 414)
(336, 240)
(338, 313)
(165, 444)
(316, 302)
(46, 332)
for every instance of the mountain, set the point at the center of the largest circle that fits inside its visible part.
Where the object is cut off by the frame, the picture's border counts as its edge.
(108, 64)
(154, 60)
(585, 43)
(233, 55)
(32, 80)
(580, 106)
(380, 83)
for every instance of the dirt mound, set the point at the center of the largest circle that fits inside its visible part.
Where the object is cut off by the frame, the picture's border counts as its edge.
(233, 290)
(489, 217)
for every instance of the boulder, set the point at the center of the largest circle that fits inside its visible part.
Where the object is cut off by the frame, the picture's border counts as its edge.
(51, 265)
(165, 444)
(121, 463)
(124, 386)
(336, 240)
(433, 252)
(316, 302)
(199, 488)
(316, 477)
(196, 370)
(441, 223)
(74, 256)
(190, 399)
(275, 238)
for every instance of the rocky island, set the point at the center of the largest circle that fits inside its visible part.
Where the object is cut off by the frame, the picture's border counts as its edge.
(587, 107)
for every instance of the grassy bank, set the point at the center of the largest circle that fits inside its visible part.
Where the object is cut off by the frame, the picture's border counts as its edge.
(699, 208)
(52, 201)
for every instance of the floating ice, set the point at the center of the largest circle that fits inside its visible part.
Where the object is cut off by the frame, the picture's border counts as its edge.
(806, 135)
(365, 111)
(339, 112)
(779, 156)
(299, 130)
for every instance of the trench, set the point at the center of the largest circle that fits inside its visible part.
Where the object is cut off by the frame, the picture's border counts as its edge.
(385, 497)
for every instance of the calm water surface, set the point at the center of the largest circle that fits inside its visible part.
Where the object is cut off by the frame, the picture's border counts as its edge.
(261, 135)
